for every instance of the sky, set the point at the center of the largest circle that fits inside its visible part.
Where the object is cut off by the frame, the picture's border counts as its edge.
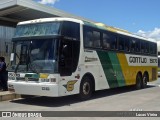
(137, 16)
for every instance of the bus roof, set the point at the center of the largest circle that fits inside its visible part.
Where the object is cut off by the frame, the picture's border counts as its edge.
(41, 20)
(96, 25)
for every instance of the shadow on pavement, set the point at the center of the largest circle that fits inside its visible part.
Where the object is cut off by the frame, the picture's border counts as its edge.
(68, 100)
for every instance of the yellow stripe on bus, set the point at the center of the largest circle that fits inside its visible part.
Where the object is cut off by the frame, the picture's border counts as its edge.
(130, 72)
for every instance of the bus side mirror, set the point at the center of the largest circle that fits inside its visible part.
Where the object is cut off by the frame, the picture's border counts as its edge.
(12, 57)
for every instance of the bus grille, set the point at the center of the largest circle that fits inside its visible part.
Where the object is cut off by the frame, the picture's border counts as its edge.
(28, 79)
(20, 78)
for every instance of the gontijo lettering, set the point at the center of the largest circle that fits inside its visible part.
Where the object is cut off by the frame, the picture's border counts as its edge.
(137, 60)
(141, 60)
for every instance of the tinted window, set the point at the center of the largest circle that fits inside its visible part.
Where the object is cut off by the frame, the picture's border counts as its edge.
(113, 42)
(75, 57)
(121, 43)
(137, 45)
(88, 40)
(92, 38)
(153, 48)
(106, 40)
(96, 38)
(142, 46)
(146, 47)
(109, 41)
(71, 30)
(134, 45)
(127, 45)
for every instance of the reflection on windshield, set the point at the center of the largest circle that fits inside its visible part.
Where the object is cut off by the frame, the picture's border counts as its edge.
(37, 56)
(41, 50)
(43, 66)
(38, 29)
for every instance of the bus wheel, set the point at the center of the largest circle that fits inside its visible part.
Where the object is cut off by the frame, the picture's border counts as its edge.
(138, 81)
(86, 88)
(145, 80)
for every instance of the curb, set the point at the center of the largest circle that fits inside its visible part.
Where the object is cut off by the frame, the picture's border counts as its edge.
(4, 96)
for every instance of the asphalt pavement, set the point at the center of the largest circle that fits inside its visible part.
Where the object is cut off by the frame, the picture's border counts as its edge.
(119, 99)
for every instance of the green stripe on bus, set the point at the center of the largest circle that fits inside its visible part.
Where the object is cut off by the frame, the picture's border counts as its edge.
(117, 68)
(108, 68)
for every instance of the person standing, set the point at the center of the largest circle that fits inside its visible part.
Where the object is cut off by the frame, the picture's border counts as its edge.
(3, 74)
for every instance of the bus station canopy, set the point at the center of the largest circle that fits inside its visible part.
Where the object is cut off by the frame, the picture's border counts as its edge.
(14, 11)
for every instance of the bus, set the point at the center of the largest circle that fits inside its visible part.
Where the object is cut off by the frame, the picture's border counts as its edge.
(66, 56)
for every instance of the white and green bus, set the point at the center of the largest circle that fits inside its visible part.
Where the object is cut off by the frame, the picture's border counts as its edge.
(65, 56)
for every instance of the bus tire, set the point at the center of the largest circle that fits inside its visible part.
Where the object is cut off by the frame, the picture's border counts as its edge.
(138, 81)
(145, 80)
(86, 88)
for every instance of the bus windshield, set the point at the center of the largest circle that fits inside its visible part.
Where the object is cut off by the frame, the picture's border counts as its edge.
(38, 56)
(36, 47)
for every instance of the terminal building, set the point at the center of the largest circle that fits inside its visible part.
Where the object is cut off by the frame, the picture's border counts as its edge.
(14, 11)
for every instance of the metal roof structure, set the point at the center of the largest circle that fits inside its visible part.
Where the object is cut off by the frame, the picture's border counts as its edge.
(14, 11)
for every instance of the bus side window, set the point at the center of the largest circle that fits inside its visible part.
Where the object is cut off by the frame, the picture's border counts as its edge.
(133, 45)
(147, 47)
(96, 38)
(121, 43)
(137, 45)
(127, 45)
(88, 41)
(142, 46)
(106, 41)
(113, 43)
(153, 48)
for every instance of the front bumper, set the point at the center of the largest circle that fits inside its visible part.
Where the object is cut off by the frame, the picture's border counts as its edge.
(34, 88)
